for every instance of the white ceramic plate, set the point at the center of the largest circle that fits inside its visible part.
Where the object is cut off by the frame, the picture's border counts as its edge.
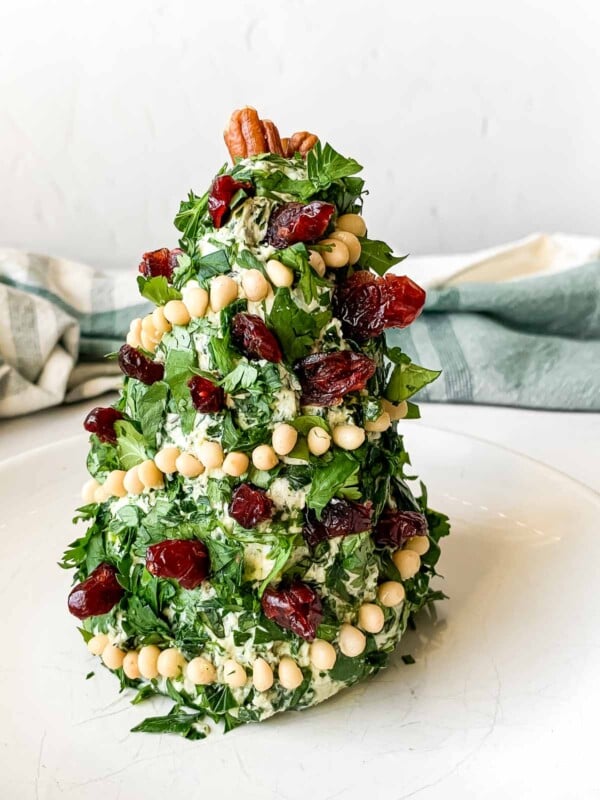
(503, 700)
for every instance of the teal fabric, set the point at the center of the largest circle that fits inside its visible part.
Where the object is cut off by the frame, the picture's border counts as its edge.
(532, 343)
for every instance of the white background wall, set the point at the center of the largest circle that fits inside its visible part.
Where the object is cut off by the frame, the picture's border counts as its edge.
(476, 120)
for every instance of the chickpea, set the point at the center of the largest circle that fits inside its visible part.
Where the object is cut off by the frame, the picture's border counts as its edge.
(112, 656)
(101, 494)
(316, 261)
(395, 411)
(279, 274)
(255, 285)
(170, 663)
(196, 301)
(133, 339)
(420, 544)
(264, 457)
(114, 483)
(352, 641)
(161, 323)
(382, 423)
(166, 458)
(97, 644)
(289, 673)
(234, 674)
(284, 439)
(338, 256)
(235, 464)
(211, 454)
(176, 312)
(150, 475)
(188, 465)
(147, 661)
(262, 675)
(148, 326)
(391, 593)
(351, 242)
(223, 291)
(322, 654)
(348, 437)
(319, 441)
(88, 490)
(407, 562)
(132, 482)
(130, 665)
(135, 328)
(353, 223)
(149, 341)
(370, 618)
(201, 672)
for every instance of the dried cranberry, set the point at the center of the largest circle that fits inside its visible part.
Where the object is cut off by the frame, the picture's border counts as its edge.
(295, 222)
(339, 518)
(222, 191)
(326, 377)
(135, 365)
(159, 262)
(254, 339)
(396, 527)
(101, 421)
(185, 560)
(250, 505)
(296, 608)
(367, 304)
(207, 397)
(97, 594)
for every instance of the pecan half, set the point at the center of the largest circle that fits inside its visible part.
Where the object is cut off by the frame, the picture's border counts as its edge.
(272, 137)
(248, 135)
(301, 142)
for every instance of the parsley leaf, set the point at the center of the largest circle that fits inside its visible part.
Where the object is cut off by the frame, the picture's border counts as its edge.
(176, 721)
(190, 214)
(324, 165)
(328, 479)
(407, 378)
(295, 329)
(242, 377)
(131, 445)
(377, 256)
(157, 290)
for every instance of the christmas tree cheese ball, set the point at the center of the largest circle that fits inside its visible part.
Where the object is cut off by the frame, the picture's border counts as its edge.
(253, 544)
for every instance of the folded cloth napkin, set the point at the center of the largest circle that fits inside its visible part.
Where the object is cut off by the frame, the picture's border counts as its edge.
(517, 325)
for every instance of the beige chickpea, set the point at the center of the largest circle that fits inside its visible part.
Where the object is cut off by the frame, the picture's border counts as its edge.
(284, 440)
(235, 464)
(170, 663)
(97, 644)
(319, 441)
(255, 285)
(114, 483)
(289, 673)
(348, 437)
(135, 329)
(88, 490)
(279, 274)
(161, 323)
(211, 454)
(338, 256)
(391, 593)
(150, 475)
(382, 423)
(234, 674)
(133, 339)
(407, 562)
(264, 457)
(149, 341)
(322, 654)
(176, 312)
(188, 465)
(316, 261)
(148, 326)
(398, 411)
(130, 665)
(223, 291)
(200, 671)
(113, 657)
(420, 544)
(101, 494)
(353, 223)
(132, 482)
(262, 675)
(351, 242)
(370, 618)
(166, 459)
(352, 641)
(147, 661)
(196, 301)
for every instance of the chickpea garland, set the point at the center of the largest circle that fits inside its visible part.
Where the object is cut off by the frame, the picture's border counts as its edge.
(254, 545)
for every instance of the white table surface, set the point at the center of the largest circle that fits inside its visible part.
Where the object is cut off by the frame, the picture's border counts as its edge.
(567, 441)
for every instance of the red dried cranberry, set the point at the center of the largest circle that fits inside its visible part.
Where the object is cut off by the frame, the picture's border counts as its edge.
(296, 608)
(159, 262)
(250, 505)
(339, 518)
(135, 365)
(254, 339)
(101, 421)
(185, 560)
(367, 304)
(295, 222)
(97, 595)
(207, 397)
(394, 528)
(326, 377)
(222, 191)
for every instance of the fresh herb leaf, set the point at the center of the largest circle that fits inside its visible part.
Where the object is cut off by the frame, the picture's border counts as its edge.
(190, 214)
(176, 721)
(324, 166)
(328, 479)
(295, 329)
(157, 290)
(131, 445)
(304, 423)
(407, 379)
(212, 264)
(408, 659)
(377, 256)
(244, 376)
